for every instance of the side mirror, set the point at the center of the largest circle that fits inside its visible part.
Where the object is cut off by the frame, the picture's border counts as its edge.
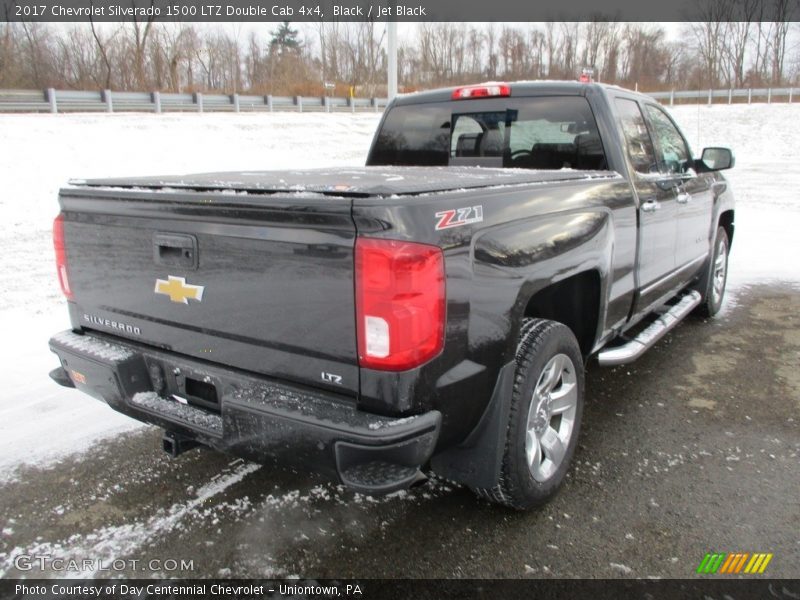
(717, 159)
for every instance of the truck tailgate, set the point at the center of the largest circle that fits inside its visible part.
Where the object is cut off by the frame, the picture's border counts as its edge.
(260, 282)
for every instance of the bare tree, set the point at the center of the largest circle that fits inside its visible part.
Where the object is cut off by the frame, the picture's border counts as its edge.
(709, 38)
(570, 37)
(102, 43)
(170, 52)
(551, 37)
(780, 32)
(611, 52)
(491, 39)
(737, 36)
(37, 47)
(140, 32)
(733, 45)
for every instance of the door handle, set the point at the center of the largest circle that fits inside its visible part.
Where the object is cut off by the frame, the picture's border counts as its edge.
(650, 206)
(684, 197)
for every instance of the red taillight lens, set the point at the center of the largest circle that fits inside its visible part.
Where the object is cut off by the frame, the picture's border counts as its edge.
(61, 255)
(400, 303)
(482, 91)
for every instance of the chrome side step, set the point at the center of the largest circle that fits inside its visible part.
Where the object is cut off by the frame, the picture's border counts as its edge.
(629, 352)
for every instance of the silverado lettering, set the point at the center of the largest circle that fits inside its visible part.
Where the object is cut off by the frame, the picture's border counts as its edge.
(112, 324)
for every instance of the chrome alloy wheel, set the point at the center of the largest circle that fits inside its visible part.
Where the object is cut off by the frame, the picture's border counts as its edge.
(551, 417)
(720, 272)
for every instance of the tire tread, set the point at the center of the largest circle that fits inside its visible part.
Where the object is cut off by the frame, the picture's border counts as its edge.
(706, 308)
(532, 336)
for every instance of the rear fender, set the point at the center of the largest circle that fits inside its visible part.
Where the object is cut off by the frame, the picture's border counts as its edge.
(539, 252)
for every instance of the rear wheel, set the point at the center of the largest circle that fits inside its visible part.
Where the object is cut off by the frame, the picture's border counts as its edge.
(716, 276)
(545, 416)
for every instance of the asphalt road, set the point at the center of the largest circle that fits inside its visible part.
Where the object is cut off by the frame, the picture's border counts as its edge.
(693, 449)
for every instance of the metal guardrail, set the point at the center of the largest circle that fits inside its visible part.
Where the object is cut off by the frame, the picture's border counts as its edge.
(58, 101)
(726, 96)
(62, 101)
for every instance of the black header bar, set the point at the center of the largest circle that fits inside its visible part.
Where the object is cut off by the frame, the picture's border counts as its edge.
(374, 589)
(385, 10)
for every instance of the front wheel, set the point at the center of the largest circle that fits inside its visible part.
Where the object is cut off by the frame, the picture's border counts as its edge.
(545, 416)
(716, 276)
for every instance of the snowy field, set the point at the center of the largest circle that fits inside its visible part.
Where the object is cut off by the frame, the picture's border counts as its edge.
(41, 423)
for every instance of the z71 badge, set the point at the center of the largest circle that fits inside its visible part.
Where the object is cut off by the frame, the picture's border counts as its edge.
(457, 217)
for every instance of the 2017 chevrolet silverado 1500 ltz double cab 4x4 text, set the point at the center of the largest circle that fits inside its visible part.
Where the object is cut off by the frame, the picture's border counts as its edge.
(432, 311)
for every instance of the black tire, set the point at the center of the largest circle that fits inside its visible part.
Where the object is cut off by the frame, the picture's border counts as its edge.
(710, 287)
(524, 480)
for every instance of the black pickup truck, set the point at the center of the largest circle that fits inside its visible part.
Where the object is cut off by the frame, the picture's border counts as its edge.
(432, 311)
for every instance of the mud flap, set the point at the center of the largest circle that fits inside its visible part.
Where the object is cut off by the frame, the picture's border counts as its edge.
(476, 462)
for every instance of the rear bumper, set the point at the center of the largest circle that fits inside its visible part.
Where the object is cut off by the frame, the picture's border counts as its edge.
(256, 418)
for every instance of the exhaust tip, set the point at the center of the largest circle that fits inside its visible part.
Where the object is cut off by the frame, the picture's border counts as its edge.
(61, 377)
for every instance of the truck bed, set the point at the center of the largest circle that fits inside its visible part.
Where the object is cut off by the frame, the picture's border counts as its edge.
(268, 255)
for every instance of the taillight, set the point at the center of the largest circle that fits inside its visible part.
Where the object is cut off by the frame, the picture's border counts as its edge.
(400, 303)
(482, 91)
(61, 255)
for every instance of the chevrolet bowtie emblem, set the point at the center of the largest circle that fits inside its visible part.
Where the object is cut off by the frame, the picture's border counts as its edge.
(178, 290)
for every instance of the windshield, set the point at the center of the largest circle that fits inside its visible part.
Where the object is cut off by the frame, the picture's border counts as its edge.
(529, 133)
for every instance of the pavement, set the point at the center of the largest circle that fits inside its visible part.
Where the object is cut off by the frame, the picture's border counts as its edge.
(695, 448)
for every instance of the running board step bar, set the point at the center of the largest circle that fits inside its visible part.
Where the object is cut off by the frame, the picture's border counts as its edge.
(629, 352)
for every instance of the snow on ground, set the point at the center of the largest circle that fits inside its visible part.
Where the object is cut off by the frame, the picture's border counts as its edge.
(41, 422)
(108, 543)
(765, 182)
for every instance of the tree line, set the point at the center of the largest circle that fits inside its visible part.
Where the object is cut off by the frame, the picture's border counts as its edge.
(338, 57)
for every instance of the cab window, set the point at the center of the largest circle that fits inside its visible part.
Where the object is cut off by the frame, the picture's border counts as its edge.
(414, 136)
(638, 144)
(524, 133)
(672, 152)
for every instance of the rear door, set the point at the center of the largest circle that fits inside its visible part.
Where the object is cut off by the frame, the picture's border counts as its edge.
(260, 283)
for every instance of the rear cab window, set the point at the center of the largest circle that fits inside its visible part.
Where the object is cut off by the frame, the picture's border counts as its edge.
(553, 132)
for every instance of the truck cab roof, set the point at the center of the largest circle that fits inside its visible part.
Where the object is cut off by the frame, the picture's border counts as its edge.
(518, 89)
